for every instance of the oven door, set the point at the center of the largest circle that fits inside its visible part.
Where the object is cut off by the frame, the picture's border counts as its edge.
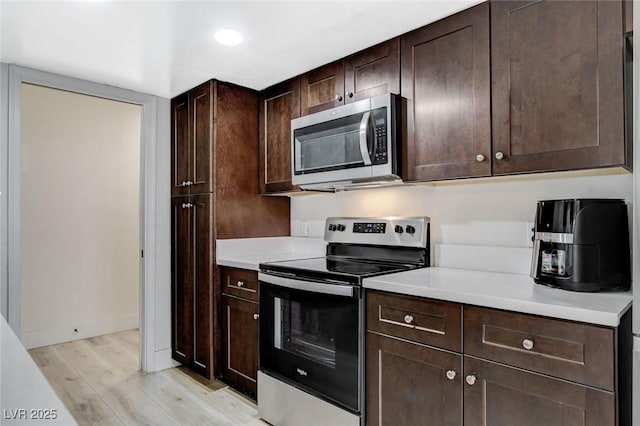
(310, 339)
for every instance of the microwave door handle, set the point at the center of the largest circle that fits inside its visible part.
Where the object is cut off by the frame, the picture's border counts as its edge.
(364, 146)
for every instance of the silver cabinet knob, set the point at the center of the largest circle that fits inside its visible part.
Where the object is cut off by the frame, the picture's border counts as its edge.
(339, 98)
(408, 319)
(240, 283)
(187, 205)
(499, 155)
(256, 316)
(188, 183)
(183, 183)
(479, 158)
(451, 374)
(471, 379)
(527, 344)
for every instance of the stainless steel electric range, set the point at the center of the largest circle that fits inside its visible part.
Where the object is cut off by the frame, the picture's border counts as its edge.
(311, 368)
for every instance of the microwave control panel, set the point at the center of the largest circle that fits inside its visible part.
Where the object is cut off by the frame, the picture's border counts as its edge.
(380, 136)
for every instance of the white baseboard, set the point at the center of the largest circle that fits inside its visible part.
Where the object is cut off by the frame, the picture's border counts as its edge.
(90, 328)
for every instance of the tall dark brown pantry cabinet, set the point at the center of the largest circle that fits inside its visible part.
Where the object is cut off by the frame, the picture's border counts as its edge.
(214, 163)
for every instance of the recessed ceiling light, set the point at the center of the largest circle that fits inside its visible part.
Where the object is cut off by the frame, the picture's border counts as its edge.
(228, 37)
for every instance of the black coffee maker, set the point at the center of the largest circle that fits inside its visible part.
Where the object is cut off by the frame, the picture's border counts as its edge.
(582, 245)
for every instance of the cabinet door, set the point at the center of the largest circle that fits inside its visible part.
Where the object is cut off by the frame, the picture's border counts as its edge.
(322, 88)
(374, 71)
(278, 106)
(182, 287)
(505, 396)
(557, 88)
(201, 133)
(409, 384)
(180, 172)
(202, 259)
(240, 340)
(445, 78)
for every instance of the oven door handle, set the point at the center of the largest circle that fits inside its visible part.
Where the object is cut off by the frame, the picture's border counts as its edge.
(315, 287)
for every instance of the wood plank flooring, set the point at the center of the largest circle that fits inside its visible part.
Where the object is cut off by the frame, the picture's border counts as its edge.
(98, 381)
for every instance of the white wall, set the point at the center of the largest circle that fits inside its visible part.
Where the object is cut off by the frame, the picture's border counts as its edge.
(80, 197)
(4, 135)
(492, 211)
(162, 284)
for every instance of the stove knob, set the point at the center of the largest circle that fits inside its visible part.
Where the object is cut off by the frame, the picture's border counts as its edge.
(332, 227)
(398, 229)
(410, 229)
(341, 227)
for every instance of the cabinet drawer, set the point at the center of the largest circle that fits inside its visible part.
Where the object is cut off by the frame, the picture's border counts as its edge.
(579, 352)
(241, 283)
(421, 320)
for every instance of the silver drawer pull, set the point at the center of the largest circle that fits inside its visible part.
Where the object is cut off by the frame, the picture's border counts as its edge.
(408, 319)
(256, 316)
(527, 344)
(451, 374)
(471, 379)
(240, 283)
(301, 372)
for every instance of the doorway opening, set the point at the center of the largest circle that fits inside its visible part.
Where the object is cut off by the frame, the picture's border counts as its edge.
(80, 216)
(154, 216)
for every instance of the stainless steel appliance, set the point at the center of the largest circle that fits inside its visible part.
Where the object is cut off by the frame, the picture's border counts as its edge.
(350, 144)
(582, 245)
(312, 319)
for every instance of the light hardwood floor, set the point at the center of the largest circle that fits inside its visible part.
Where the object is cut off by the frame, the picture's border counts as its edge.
(98, 380)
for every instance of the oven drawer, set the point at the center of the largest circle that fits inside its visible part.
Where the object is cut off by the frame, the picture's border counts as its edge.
(421, 320)
(574, 351)
(240, 282)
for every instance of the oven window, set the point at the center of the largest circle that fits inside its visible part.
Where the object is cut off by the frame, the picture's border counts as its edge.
(306, 331)
(312, 341)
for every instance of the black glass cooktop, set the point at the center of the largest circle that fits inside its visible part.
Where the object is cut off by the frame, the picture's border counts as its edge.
(333, 268)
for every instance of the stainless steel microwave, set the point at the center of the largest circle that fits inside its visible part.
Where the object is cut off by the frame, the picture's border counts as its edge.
(349, 144)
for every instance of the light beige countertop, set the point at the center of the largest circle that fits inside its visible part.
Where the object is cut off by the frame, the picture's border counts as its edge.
(513, 292)
(248, 253)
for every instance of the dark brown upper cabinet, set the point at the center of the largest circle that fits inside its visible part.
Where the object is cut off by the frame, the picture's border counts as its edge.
(446, 81)
(278, 106)
(557, 85)
(370, 72)
(322, 88)
(191, 133)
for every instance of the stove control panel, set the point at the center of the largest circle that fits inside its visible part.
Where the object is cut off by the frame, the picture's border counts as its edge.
(391, 231)
(369, 227)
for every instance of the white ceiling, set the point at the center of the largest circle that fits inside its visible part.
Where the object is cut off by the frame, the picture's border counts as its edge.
(165, 47)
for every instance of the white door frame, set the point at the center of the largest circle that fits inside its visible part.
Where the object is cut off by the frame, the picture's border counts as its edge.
(19, 75)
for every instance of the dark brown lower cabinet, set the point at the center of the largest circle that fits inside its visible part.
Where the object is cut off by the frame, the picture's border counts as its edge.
(506, 396)
(412, 384)
(240, 343)
(513, 369)
(191, 271)
(239, 324)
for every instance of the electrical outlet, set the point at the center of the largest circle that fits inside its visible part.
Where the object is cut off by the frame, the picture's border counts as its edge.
(529, 234)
